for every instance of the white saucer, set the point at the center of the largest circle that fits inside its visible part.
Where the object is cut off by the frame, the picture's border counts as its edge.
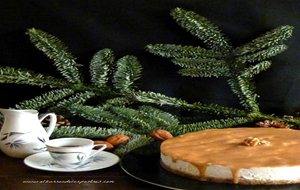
(43, 161)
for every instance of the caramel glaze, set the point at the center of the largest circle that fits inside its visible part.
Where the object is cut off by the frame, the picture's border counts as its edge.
(224, 147)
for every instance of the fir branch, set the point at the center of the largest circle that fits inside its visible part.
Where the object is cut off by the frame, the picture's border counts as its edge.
(199, 62)
(118, 101)
(146, 118)
(100, 67)
(212, 124)
(202, 28)
(234, 85)
(269, 39)
(78, 98)
(262, 55)
(135, 142)
(163, 119)
(219, 110)
(202, 67)
(100, 115)
(248, 98)
(179, 51)
(23, 76)
(128, 71)
(45, 100)
(58, 52)
(135, 119)
(256, 69)
(87, 132)
(203, 72)
(247, 93)
(157, 98)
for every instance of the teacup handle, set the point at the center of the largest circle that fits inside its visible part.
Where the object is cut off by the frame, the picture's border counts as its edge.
(52, 123)
(104, 146)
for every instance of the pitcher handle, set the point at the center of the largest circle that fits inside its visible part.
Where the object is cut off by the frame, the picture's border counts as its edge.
(52, 123)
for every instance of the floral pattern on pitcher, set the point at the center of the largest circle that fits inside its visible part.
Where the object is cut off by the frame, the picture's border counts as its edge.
(14, 144)
(6, 135)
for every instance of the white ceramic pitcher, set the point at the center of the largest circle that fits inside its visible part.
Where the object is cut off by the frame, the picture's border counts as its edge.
(22, 133)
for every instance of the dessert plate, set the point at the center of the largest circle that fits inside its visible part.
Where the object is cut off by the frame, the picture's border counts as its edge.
(144, 164)
(43, 161)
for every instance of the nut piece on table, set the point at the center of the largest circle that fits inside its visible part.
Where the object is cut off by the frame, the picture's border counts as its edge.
(118, 139)
(160, 134)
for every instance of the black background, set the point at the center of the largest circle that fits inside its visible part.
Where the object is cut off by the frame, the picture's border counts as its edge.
(126, 26)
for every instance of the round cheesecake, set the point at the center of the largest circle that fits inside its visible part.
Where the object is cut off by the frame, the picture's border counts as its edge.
(235, 155)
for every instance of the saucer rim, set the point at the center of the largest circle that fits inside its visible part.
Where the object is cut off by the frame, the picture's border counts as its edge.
(43, 154)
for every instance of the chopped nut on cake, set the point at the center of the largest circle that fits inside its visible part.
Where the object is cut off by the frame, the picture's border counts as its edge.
(254, 141)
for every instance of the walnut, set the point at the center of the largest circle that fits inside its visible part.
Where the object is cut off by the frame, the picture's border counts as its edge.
(273, 124)
(254, 141)
(109, 145)
(160, 134)
(117, 139)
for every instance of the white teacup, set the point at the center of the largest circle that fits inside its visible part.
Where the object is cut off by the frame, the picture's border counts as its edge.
(72, 151)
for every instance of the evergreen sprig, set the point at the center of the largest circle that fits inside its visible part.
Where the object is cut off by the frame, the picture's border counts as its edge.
(92, 132)
(63, 106)
(45, 100)
(128, 72)
(219, 110)
(158, 98)
(100, 67)
(202, 67)
(179, 51)
(262, 55)
(22, 76)
(202, 28)
(232, 65)
(58, 52)
(100, 115)
(269, 39)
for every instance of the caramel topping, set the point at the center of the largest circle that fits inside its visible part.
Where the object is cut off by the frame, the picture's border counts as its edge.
(274, 148)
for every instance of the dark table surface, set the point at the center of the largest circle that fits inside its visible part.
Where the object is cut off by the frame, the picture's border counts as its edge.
(14, 175)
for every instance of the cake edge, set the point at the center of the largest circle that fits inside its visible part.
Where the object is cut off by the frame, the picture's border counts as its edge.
(246, 176)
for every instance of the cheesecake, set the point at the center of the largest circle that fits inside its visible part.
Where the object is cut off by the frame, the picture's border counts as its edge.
(249, 156)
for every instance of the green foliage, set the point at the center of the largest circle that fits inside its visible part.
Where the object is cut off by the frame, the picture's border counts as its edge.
(111, 101)
(100, 67)
(111, 88)
(87, 132)
(179, 51)
(142, 120)
(203, 68)
(58, 52)
(218, 110)
(45, 99)
(269, 39)
(202, 28)
(23, 76)
(128, 71)
(220, 58)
